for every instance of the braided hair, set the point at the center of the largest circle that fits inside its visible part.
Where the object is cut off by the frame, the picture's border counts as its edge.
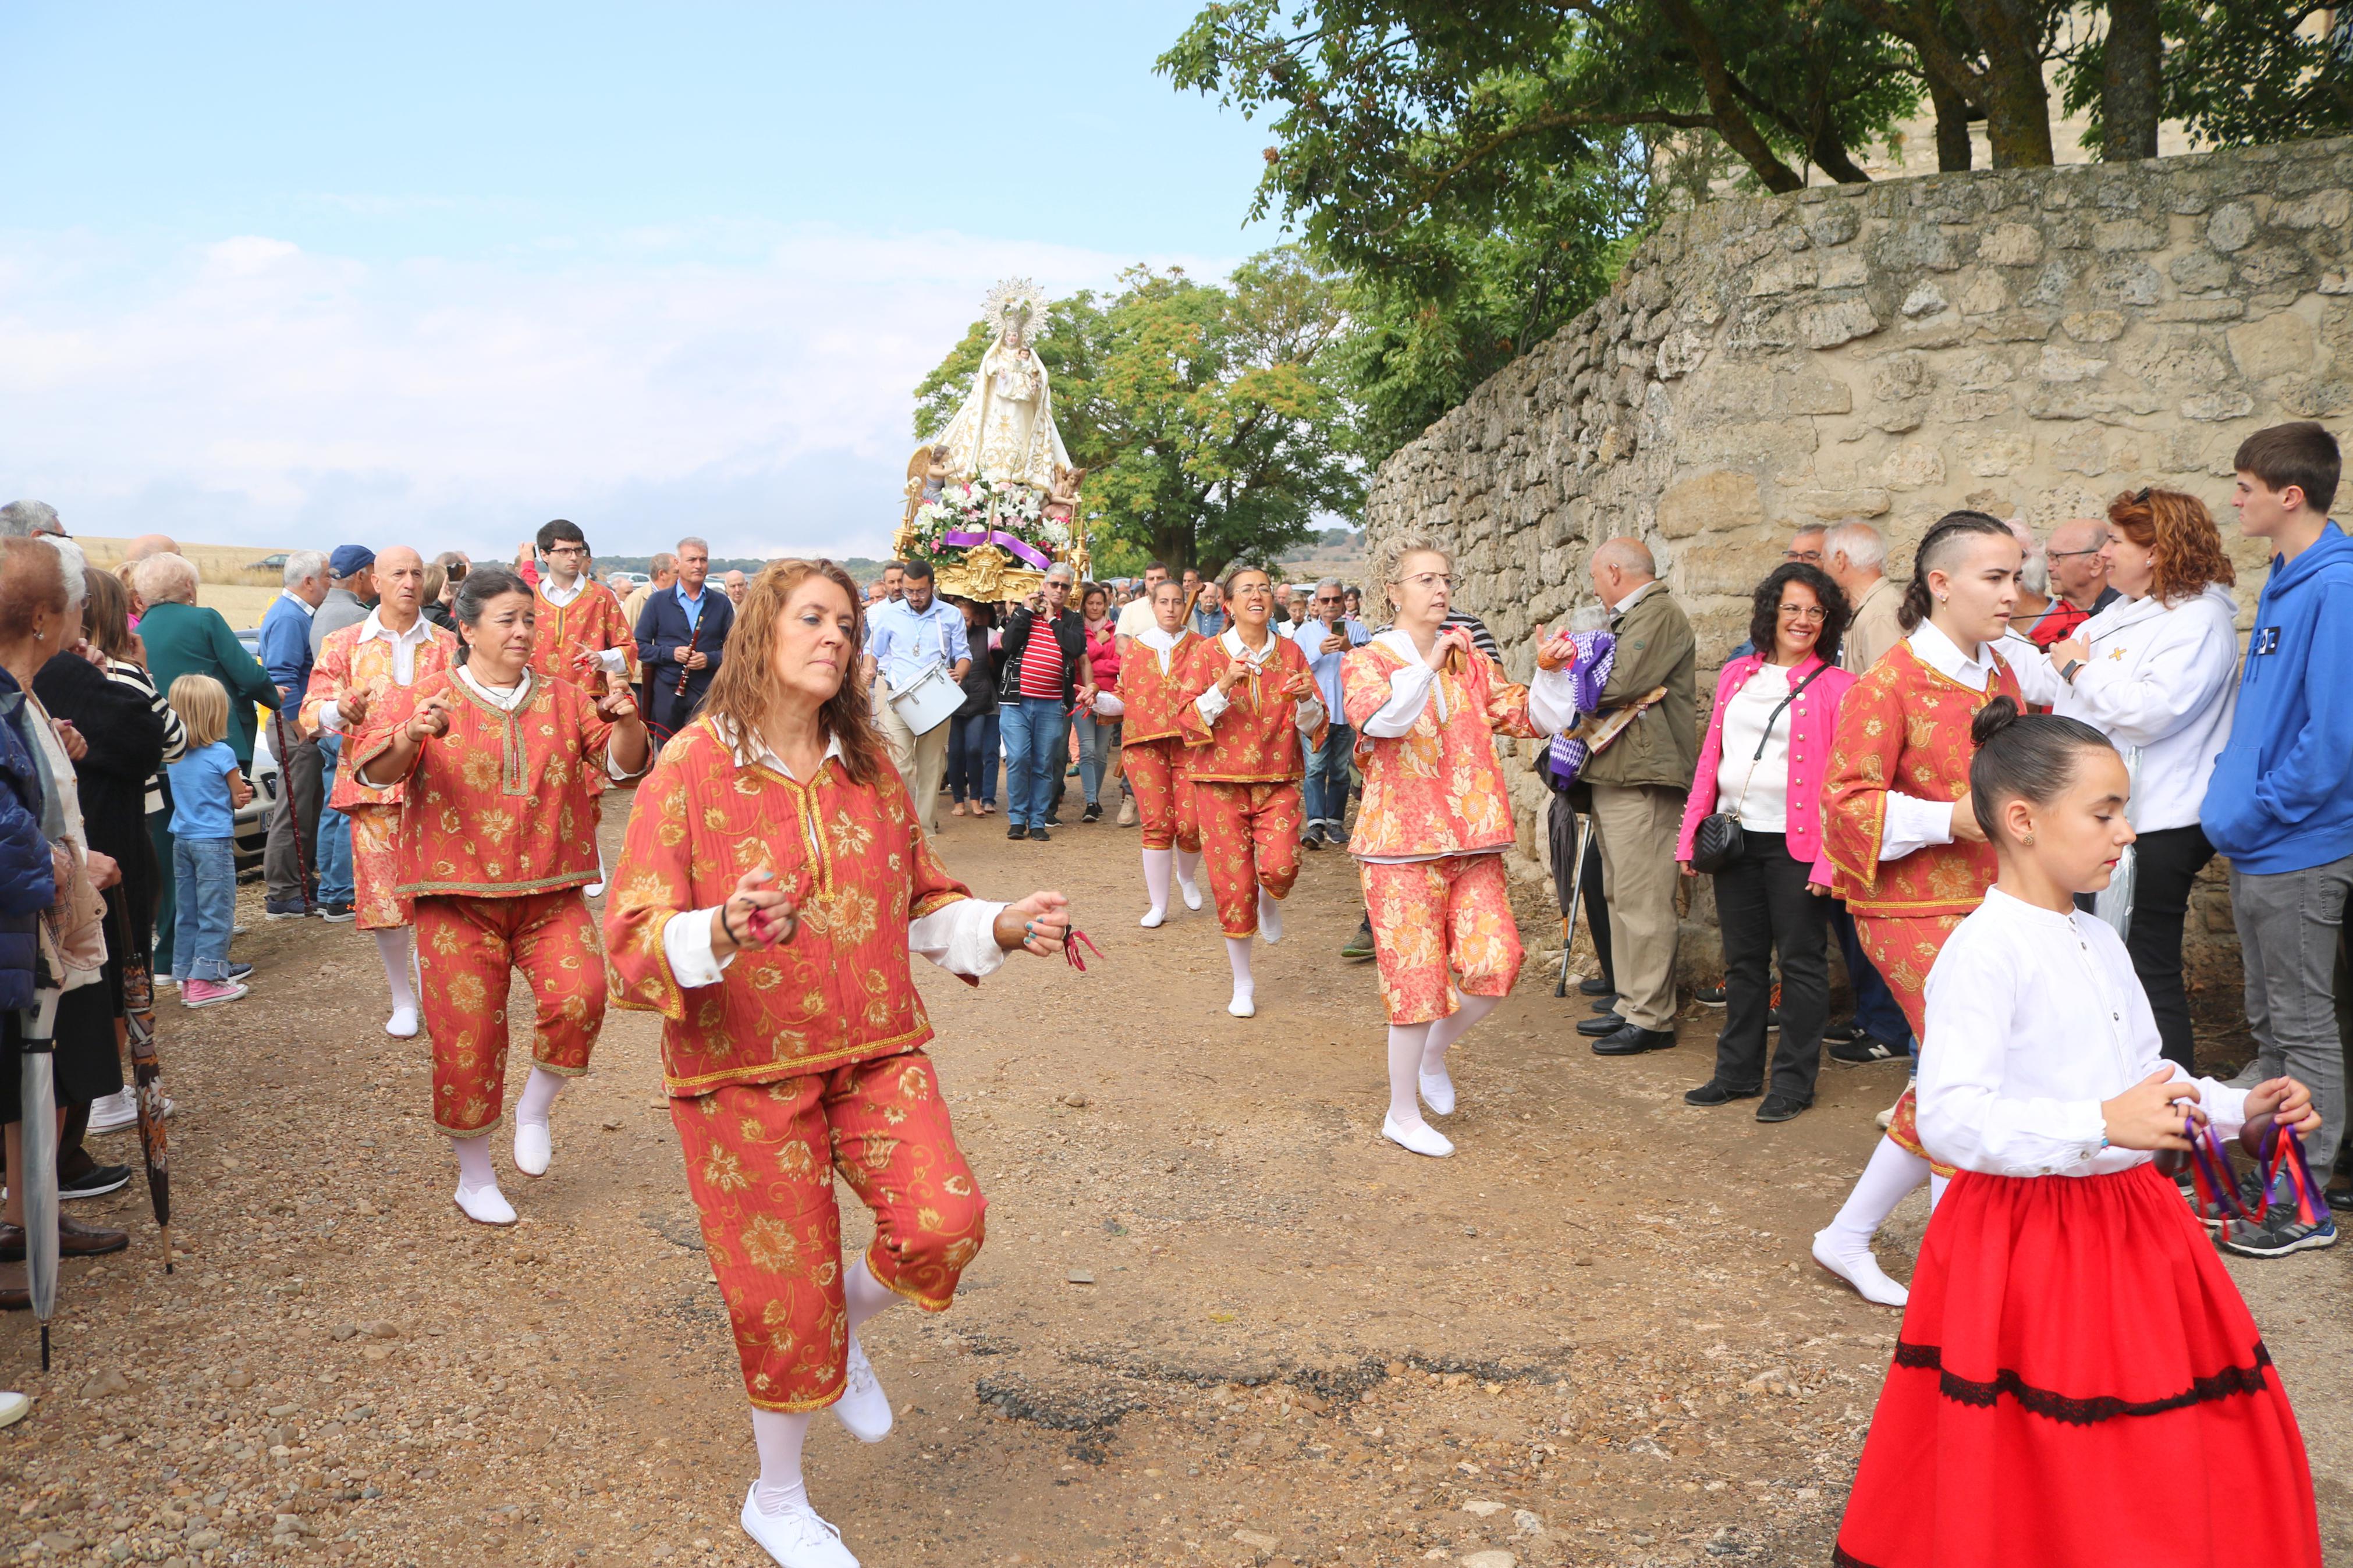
(1946, 540)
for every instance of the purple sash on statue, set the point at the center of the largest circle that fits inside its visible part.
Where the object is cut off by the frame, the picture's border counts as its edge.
(1030, 554)
(1597, 654)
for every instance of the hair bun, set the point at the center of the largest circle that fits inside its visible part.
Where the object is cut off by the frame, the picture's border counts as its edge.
(1992, 719)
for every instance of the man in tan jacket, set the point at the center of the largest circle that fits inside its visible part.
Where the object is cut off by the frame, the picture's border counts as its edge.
(1640, 782)
(1856, 558)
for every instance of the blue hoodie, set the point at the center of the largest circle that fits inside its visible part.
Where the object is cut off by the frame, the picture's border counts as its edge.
(2282, 795)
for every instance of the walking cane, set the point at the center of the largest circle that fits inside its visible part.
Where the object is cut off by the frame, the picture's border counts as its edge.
(293, 807)
(1576, 897)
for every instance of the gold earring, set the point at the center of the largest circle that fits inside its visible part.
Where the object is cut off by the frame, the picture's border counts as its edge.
(2028, 839)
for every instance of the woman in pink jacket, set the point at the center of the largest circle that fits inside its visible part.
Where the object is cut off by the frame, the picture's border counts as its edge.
(1768, 745)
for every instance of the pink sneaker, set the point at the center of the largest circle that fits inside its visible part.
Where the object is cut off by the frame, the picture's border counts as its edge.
(210, 992)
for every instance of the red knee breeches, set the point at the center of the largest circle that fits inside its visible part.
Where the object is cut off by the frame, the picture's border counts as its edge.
(1435, 919)
(1164, 795)
(466, 947)
(759, 1161)
(1249, 839)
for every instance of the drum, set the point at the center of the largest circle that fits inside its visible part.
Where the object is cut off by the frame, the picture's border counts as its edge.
(928, 701)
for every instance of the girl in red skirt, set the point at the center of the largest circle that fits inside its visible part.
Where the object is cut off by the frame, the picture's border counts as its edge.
(2077, 1380)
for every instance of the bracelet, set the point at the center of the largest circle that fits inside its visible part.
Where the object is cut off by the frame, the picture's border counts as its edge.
(729, 926)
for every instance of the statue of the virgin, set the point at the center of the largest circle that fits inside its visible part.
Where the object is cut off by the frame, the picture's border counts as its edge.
(1005, 431)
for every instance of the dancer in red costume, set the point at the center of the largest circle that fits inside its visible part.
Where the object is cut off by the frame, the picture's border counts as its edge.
(1153, 752)
(2077, 1380)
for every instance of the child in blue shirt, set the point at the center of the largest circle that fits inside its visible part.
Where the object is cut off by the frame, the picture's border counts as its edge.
(207, 791)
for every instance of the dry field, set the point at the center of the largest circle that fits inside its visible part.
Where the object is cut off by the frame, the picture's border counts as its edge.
(239, 595)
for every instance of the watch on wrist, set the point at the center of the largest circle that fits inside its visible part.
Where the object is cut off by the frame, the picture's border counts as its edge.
(2067, 672)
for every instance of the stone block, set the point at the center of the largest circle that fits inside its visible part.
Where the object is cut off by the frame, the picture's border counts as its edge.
(1833, 223)
(2197, 271)
(2011, 245)
(2314, 397)
(1781, 274)
(2129, 234)
(1725, 499)
(1831, 505)
(1828, 325)
(2093, 326)
(2128, 283)
(1841, 269)
(1925, 300)
(1995, 454)
(2061, 364)
(2232, 227)
(2275, 345)
(2323, 210)
(1984, 294)
(1914, 465)
(1964, 407)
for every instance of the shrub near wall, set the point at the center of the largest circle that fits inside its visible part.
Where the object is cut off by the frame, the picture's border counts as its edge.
(2024, 342)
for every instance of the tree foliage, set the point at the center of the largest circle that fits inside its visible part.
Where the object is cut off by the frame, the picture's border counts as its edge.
(1207, 416)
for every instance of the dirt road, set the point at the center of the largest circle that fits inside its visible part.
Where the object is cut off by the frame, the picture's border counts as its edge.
(1218, 1320)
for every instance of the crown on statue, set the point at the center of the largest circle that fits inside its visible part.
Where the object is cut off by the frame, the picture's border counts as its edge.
(1015, 302)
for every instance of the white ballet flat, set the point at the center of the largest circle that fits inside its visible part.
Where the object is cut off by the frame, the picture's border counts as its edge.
(1270, 919)
(1192, 892)
(593, 891)
(1154, 919)
(795, 1537)
(1864, 1273)
(486, 1206)
(14, 1408)
(1423, 1139)
(402, 1025)
(1243, 1006)
(863, 1409)
(1438, 1091)
(534, 1147)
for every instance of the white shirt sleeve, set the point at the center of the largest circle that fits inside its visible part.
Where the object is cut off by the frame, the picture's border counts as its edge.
(1309, 714)
(1552, 701)
(2038, 677)
(1211, 705)
(2176, 679)
(331, 717)
(960, 939)
(1964, 1118)
(1911, 823)
(1410, 687)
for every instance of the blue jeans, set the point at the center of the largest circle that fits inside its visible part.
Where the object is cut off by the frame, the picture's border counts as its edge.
(972, 758)
(1875, 1007)
(1035, 728)
(1327, 777)
(334, 830)
(1096, 744)
(204, 871)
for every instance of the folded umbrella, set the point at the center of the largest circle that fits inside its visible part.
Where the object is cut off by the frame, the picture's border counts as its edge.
(138, 1026)
(39, 1101)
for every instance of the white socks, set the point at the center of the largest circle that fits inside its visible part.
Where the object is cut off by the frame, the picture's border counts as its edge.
(535, 1142)
(1437, 1084)
(1843, 1246)
(1935, 1191)
(1189, 861)
(1403, 1125)
(393, 948)
(862, 1295)
(477, 1182)
(1245, 1002)
(779, 1437)
(1157, 864)
(1270, 916)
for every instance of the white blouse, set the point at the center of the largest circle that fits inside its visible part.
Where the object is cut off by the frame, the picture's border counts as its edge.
(1413, 685)
(2034, 1018)
(1758, 790)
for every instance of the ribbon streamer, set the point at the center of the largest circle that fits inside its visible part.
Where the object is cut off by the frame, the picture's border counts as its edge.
(1028, 553)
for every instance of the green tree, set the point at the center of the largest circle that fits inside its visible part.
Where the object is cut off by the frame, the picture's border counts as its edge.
(2234, 72)
(1207, 416)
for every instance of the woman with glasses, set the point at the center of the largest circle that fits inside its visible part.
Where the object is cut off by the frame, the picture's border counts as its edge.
(1762, 764)
(1435, 820)
(1248, 698)
(2155, 672)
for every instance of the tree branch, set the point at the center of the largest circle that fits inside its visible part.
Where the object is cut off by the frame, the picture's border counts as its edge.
(1732, 122)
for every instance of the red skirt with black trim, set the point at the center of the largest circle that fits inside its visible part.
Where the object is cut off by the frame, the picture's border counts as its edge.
(2077, 1381)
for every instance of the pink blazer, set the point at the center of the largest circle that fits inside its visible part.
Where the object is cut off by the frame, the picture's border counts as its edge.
(1809, 722)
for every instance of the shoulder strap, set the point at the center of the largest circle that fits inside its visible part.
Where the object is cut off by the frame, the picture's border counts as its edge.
(1770, 717)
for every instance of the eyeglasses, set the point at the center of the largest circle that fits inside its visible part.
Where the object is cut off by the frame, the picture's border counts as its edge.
(1428, 580)
(2069, 554)
(567, 550)
(1814, 612)
(1810, 557)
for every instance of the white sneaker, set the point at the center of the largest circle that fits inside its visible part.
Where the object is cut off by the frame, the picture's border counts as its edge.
(402, 1025)
(486, 1205)
(794, 1538)
(1192, 892)
(1422, 1139)
(1127, 817)
(534, 1147)
(1269, 918)
(1863, 1272)
(1243, 1006)
(1887, 1116)
(863, 1409)
(14, 1408)
(1437, 1091)
(112, 1113)
(1154, 918)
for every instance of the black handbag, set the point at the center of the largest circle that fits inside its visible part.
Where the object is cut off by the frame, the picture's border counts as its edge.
(1718, 841)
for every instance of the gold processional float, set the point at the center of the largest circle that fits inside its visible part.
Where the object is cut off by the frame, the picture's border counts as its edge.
(993, 499)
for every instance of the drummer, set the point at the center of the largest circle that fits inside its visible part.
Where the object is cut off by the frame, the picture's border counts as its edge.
(909, 637)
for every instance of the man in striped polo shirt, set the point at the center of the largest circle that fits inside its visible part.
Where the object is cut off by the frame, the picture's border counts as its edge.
(1045, 657)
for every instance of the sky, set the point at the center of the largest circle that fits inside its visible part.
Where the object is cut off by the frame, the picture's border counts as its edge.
(304, 274)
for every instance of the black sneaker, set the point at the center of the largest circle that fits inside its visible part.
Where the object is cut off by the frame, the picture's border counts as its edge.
(95, 1182)
(1094, 813)
(339, 911)
(1709, 995)
(1781, 1108)
(1054, 817)
(1864, 1051)
(1847, 1029)
(1016, 831)
(2279, 1234)
(1361, 944)
(284, 909)
(1598, 985)
(1713, 1092)
(1312, 839)
(1040, 834)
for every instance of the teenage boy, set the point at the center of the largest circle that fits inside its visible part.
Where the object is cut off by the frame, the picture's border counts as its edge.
(2280, 804)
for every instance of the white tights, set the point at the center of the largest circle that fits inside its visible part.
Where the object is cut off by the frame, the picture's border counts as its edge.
(1843, 1245)
(779, 1434)
(393, 947)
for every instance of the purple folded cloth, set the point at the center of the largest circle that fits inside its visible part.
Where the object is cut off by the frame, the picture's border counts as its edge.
(1597, 654)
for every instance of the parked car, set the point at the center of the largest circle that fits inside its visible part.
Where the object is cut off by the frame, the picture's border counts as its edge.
(252, 832)
(269, 563)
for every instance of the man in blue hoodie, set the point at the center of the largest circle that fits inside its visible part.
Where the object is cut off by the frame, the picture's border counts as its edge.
(2280, 804)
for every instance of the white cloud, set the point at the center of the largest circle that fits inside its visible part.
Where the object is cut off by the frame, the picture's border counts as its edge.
(750, 385)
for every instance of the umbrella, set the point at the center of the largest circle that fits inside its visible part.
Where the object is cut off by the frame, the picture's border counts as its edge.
(1568, 827)
(138, 1026)
(40, 1176)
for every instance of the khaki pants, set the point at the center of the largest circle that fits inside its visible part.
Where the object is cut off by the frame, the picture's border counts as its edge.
(921, 760)
(1639, 825)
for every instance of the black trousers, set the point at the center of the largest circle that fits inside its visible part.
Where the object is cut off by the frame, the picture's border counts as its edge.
(2164, 863)
(1561, 825)
(1764, 910)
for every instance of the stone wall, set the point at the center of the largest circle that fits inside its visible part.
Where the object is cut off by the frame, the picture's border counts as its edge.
(2023, 342)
